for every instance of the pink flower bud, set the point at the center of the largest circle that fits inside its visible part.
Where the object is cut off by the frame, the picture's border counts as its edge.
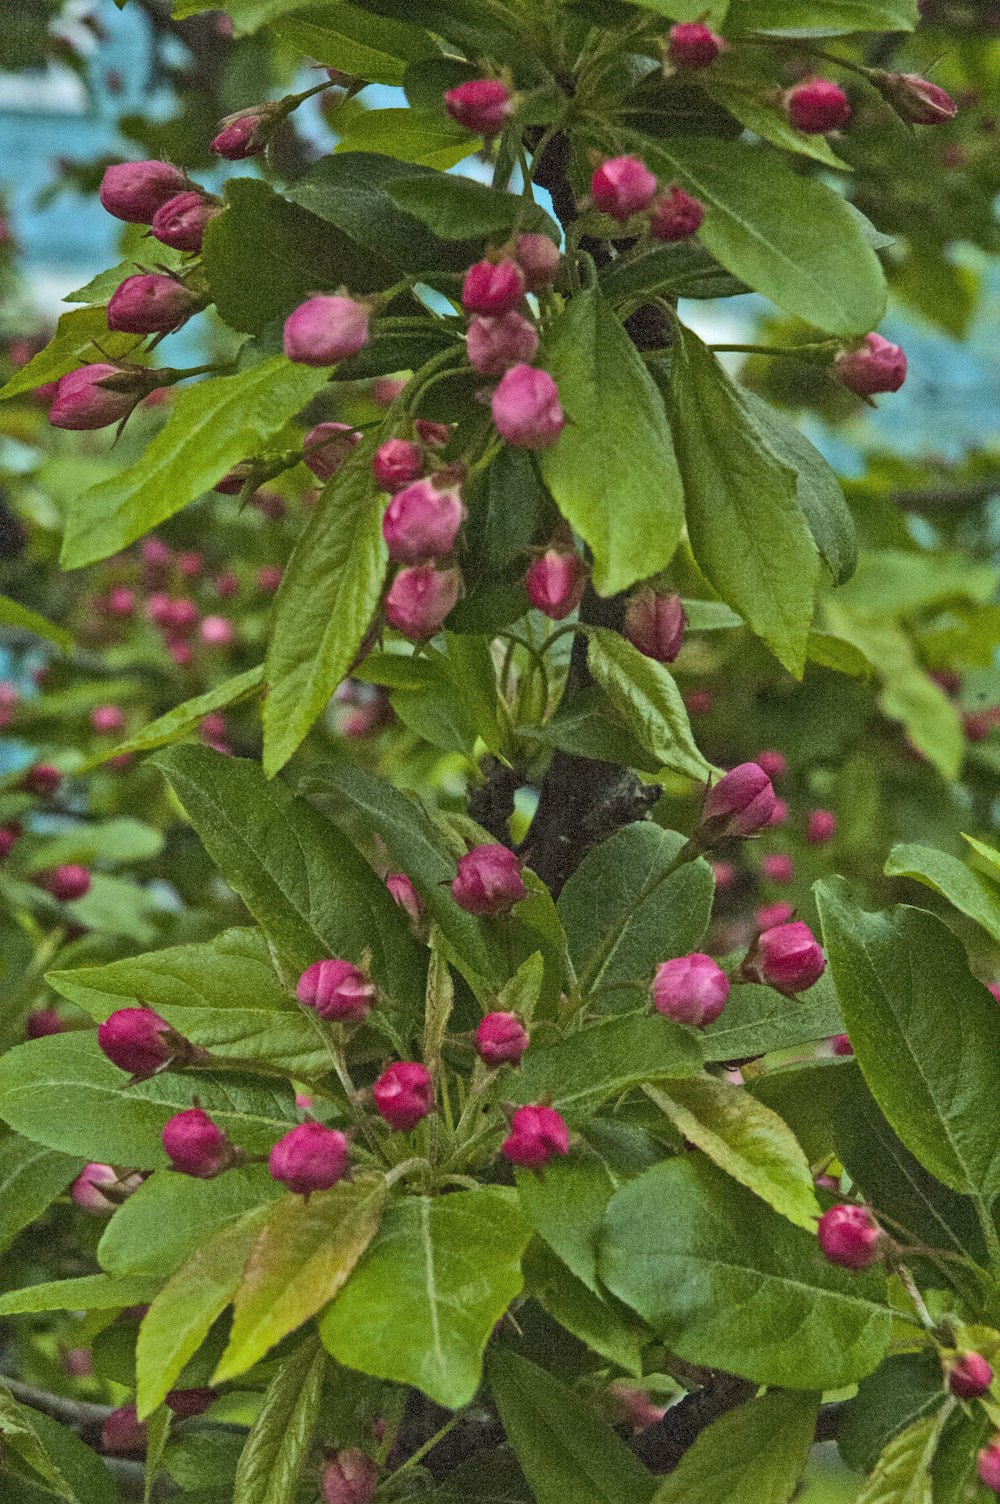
(82, 403)
(676, 216)
(133, 191)
(122, 1434)
(850, 1236)
(970, 1377)
(397, 462)
(107, 720)
(269, 578)
(422, 522)
(494, 345)
(555, 582)
(988, 1465)
(351, 1477)
(42, 1022)
(432, 435)
(741, 803)
(233, 481)
(501, 1039)
(155, 553)
(324, 330)
(404, 1093)
(7, 840)
(121, 763)
(245, 134)
(690, 990)
(771, 914)
(492, 287)
(420, 598)
(87, 1190)
(724, 874)
(482, 105)
(139, 1041)
(196, 1146)
(271, 504)
(536, 1133)
(227, 584)
(539, 259)
(488, 881)
(405, 895)
(327, 446)
(699, 702)
(150, 304)
(993, 988)
(120, 601)
(526, 408)
(774, 763)
(916, 99)
(816, 106)
(336, 991)
(821, 827)
(42, 780)
(840, 1044)
(190, 563)
(218, 632)
(788, 958)
(654, 624)
(692, 44)
(780, 814)
(778, 868)
(213, 727)
(78, 1363)
(309, 1158)
(184, 1403)
(387, 388)
(181, 221)
(622, 186)
(877, 366)
(68, 882)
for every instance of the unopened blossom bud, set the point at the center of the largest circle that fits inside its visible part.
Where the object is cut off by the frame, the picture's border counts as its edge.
(397, 462)
(488, 880)
(350, 1477)
(493, 345)
(133, 191)
(536, 1134)
(422, 522)
(269, 578)
(774, 763)
(482, 105)
(654, 624)
(325, 330)
(185, 1403)
(309, 1158)
(988, 1465)
(122, 1434)
(420, 598)
(699, 702)
(676, 216)
(81, 402)
(150, 304)
(119, 601)
(155, 553)
(970, 1377)
(690, 990)
(327, 446)
(140, 1042)
(771, 914)
(403, 1094)
(233, 481)
(68, 882)
(227, 583)
(788, 958)
(778, 868)
(841, 1045)
(78, 1362)
(816, 106)
(336, 991)
(432, 435)
(181, 221)
(539, 259)
(217, 632)
(501, 1039)
(526, 408)
(740, 804)
(622, 186)
(7, 839)
(190, 563)
(107, 720)
(692, 44)
(780, 812)
(246, 133)
(821, 827)
(405, 896)
(41, 1022)
(87, 1190)
(555, 582)
(724, 874)
(916, 99)
(850, 1236)
(492, 287)
(387, 388)
(196, 1146)
(42, 780)
(876, 366)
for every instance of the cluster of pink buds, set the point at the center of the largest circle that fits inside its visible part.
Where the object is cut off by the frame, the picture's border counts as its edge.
(161, 196)
(624, 187)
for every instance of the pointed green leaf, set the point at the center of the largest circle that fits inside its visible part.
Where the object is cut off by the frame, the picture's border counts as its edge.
(902, 1474)
(756, 1454)
(186, 718)
(646, 696)
(91, 1292)
(968, 891)
(821, 18)
(82, 337)
(280, 1438)
(13, 614)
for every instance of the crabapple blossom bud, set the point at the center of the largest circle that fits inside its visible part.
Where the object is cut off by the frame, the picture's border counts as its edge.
(349, 1478)
(526, 408)
(309, 1158)
(213, 727)
(821, 827)
(82, 403)
(327, 446)
(181, 221)
(622, 186)
(740, 804)
(269, 578)
(218, 632)
(233, 481)
(336, 991)
(139, 1041)
(181, 653)
(133, 191)
(676, 216)
(420, 598)
(539, 259)
(78, 1362)
(690, 990)
(699, 701)
(788, 958)
(493, 287)
(770, 914)
(404, 1094)
(850, 1236)
(482, 105)
(107, 720)
(150, 304)
(155, 553)
(495, 344)
(654, 624)
(42, 780)
(988, 1465)
(970, 1377)
(876, 366)
(488, 880)
(387, 388)
(692, 44)
(840, 1044)
(87, 1193)
(778, 868)
(190, 563)
(555, 582)
(916, 99)
(246, 133)
(184, 1403)
(774, 763)
(324, 330)
(397, 462)
(433, 435)
(404, 895)
(816, 106)
(536, 1133)
(227, 584)
(501, 1039)
(42, 1022)
(780, 814)
(422, 522)
(7, 839)
(724, 874)
(196, 1146)
(68, 882)
(119, 601)
(122, 1434)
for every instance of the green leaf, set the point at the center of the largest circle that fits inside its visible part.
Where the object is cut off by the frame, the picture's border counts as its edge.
(366, 46)
(458, 208)
(82, 336)
(408, 135)
(756, 1454)
(900, 1391)
(111, 842)
(68, 1466)
(329, 594)
(744, 86)
(604, 1327)
(304, 1254)
(306, 886)
(612, 471)
(967, 890)
(747, 533)
(422, 1304)
(892, 971)
(821, 18)
(587, 725)
(214, 423)
(646, 696)
(787, 236)
(13, 614)
(902, 1474)
(276, 1450)
(836, 653)
(683, 270)
(757, 1020)
(30, 1180)
(567, 1450)
(566, 1207)
(685, 1247)
(807, 1096)
(185, 718)
(988, 853)
(92, 1292)
(744, 1138)
(179, 1318)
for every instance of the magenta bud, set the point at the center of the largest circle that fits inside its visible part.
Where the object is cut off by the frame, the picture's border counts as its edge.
(654, 624)
(42, 1022)
(780, 813)
(181, 221)
(404, 1093)
(269, 578)
(325, 330)
(190, 563)
(916, 99)
(692, 44)
(850, 1236)
(876, 366)
(555, 582)
(539, 259)
(778, 868)
(327, 446)
(87, 1190)
(495, 344)
(405, 895)
(536, 1133)
(821, 827)
(42, 780)
(420, 598)
(82, 403)
(622, 186)
(774, 763)
(217, 632)
(501, 1039)
(227, 584)
(155, 553)
(482, 105)
(699, 702)
(988, 1465)
(492, 287)
(107, 720)
(840, 1044)
(788, 958)
(690, 990)
(7, 840)
(133, 191)
(488, 881)
(184, 1403)
(397, 462)
(150, 304)
(119, 601)
(387, 388)
(196, 1146)
(309, 1158)
(78, 1362)
(432, 435)
(351, 1477)
(816, 106)
(246, 133)
(422, 522)
(139, 1041)
(676, 216)
(122, 1434)
(724, 874)
(770, 914)
(68, 882)
(526, 408)
(336, 991)
(970, 1377)
(740, 804)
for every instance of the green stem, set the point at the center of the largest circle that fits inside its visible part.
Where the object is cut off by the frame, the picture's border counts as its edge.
(990, 1235)
(430, 1444)
(794, 352)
